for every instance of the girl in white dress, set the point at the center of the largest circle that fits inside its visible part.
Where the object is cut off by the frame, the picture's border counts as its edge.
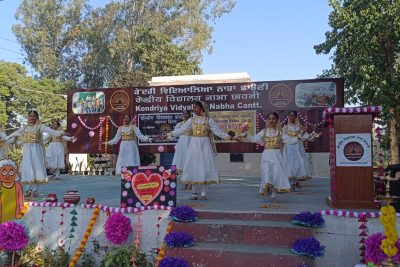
(182, 146)
(3, 145)
(33, 167)
(128, 151)
(295, 159)
(200, 168)
(274, 178)
(55, 153)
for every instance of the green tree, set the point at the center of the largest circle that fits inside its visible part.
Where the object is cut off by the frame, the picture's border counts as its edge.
(98, 47)
(19, 93)
(365, 40)
(50, 33)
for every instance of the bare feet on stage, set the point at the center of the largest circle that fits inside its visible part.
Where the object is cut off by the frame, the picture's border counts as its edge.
(187, 187)
(203, 198)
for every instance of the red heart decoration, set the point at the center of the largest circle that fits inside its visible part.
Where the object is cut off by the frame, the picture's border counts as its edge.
(147, 187)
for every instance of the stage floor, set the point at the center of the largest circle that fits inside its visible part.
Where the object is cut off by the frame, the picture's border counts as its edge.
(236, 194)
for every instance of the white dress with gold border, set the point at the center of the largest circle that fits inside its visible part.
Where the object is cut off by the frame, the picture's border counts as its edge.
(293, 152)
(128, 150)
(55, 153)
(273, 174)
(181, 148)
(33, 166)
(200, 166)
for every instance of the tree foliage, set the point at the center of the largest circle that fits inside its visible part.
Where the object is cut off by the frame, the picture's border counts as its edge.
(19, 93)
(365, 41)
(72, 42)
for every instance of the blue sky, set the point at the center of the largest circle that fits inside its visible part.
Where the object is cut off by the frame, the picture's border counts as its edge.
(269, 39)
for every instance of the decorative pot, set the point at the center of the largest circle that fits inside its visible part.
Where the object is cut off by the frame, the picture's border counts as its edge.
(90, 200)
(51, 198)
(72, 197)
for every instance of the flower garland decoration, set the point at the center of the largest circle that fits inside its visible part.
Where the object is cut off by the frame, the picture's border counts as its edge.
(161, 251)
(100, 138)
(102, 119)
(107, 128)
(117, 228)
(388, 219)
(23, 211)
(183, 214)
(373, 251)
(14, 236)
(138, 230)
(173, 262)
(116, 126)
(84, 240)
(308, 219)
(364, 229)
(309, 247)
(41, 232)
(179, 240)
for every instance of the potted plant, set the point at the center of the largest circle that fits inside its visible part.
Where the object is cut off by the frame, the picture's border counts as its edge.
(70, 166)
(121, 256)
(85, 169)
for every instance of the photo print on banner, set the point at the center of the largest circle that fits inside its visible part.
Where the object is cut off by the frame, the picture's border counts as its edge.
(148, 186)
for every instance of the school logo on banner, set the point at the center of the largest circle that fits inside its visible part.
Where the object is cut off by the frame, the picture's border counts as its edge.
(353, 150)
(148, 186)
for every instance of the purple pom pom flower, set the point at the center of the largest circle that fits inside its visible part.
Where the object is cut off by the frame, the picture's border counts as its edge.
(308, 219)
(373, 251)
(179, 239)
(117, 228)
(309, 247)
(173, 262)
(13, 236)
(183, 214)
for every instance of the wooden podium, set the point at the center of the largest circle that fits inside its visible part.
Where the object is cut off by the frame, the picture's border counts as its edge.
(351, 158)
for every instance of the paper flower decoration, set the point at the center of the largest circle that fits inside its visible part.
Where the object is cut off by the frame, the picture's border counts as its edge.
(117, 228)
(309, 247)
(183, 214)
(179, 239)
(13, 236)
(308, 219)
(173, 262)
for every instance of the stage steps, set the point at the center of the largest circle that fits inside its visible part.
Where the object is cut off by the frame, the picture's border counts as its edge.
(240, 239)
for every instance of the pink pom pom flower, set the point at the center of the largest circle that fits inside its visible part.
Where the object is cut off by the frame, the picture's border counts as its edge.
(13, 236)
(118, 228)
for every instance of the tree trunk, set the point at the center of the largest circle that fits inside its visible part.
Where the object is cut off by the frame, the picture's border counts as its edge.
(394, 142)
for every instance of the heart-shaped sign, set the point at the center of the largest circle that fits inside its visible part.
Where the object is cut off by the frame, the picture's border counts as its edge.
(147, 188)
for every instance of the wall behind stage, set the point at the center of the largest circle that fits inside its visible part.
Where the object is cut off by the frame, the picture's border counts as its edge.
(95, 114)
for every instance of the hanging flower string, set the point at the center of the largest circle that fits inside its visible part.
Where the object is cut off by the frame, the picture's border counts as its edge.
(102, 119)
(85, 238)
(378, 132)
(303, 119)
(138, 230)
(107, 129)
(72, 225)
(100, 138)
(116, 126)
(363, 234)
(161, 252)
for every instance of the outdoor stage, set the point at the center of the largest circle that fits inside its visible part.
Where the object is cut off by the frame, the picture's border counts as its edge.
(235, 222)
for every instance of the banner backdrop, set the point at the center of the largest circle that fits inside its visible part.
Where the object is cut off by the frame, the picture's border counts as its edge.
(95, 114)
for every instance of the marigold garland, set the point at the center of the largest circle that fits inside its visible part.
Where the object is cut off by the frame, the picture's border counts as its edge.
(388, 219)
(23, 211)
(84, 240)
(107, 128)
(161, 252)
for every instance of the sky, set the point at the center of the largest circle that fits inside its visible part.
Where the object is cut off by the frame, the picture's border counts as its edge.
(269, 39)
